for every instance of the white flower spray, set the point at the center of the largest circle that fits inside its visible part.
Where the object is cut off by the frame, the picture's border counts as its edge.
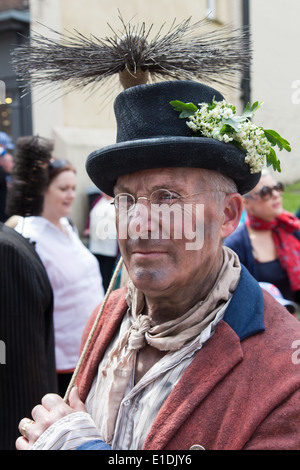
(219, 121)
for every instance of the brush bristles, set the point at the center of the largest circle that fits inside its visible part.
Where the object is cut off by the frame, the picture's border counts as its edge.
(184, 52)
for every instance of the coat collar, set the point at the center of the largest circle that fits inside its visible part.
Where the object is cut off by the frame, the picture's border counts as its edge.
(209, 368)
(242, 319)
(245, 313)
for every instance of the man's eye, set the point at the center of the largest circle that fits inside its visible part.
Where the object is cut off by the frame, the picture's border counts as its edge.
(173, 196)
(168, 197)
(164, 197)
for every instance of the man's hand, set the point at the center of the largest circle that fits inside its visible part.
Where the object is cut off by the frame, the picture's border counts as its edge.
(51, 410)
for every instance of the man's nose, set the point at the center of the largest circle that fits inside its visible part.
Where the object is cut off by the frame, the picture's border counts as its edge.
(139, 219)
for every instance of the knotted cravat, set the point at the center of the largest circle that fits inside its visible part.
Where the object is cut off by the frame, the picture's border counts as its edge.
(168, 336)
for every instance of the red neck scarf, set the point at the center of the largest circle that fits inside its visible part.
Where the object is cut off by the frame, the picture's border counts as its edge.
(287, 246)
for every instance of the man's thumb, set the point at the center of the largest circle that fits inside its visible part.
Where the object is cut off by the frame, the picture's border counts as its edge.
(74, 400)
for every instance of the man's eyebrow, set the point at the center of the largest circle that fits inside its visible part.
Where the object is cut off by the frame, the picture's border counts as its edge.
(170, 186)
(120, 189)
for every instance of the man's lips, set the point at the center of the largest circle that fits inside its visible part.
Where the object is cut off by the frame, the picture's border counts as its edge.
(149, 250)
(147, 253)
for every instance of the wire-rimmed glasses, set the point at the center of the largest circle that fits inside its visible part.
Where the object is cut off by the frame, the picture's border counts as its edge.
(125, 202)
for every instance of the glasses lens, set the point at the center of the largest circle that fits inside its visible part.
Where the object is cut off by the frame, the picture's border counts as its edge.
(164, 196)
(124, 202)
(279, 187)
(267, 191)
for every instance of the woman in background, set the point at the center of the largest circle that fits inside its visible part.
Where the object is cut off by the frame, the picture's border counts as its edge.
(268, 242)
(47, 186)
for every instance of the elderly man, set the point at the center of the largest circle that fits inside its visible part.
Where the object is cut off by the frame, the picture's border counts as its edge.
(191, 354)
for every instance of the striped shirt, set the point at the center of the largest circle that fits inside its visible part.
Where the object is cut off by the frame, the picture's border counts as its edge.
(139, 406)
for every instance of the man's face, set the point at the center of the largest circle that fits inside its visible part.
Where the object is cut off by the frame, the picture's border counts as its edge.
(161, 261)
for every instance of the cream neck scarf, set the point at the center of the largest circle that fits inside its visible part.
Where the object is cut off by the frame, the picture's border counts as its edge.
(168, 336)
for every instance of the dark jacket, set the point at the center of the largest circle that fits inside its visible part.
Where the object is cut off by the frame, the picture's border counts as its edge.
(3, 193)
(27, 365)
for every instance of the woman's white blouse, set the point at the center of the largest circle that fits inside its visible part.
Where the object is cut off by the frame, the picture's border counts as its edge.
(75, 279)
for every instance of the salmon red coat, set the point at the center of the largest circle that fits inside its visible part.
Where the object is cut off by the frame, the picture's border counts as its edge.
(242, 390)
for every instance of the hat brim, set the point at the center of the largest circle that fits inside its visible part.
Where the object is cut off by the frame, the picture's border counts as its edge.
(105, 165)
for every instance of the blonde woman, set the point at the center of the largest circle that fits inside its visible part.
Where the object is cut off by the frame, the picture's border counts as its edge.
(268, 243)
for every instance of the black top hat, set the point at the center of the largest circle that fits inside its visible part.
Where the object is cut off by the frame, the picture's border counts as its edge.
(151, 135)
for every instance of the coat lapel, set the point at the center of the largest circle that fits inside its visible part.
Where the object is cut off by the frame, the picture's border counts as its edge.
(107, 327)
(212, 363)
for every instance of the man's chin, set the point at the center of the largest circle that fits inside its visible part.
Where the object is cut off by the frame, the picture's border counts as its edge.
(149, 281)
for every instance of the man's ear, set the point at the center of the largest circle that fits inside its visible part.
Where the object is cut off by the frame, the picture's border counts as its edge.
(233, 208)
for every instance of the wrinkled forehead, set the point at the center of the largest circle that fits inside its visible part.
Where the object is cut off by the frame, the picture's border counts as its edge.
(169, 178)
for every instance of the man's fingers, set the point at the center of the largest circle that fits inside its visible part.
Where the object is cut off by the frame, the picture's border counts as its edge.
(52, 409)
(74, 400)
(39, 413)
(24, 424)
(22, 443)
(27, 428)
(51, 400)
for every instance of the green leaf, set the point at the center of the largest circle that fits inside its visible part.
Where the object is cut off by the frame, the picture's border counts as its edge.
(186, 109)
(213, 104)
(232, 122)
(256, 106)
(250, 110)
(275, 139)
(224, 129)
(247, 110)
(273, 160)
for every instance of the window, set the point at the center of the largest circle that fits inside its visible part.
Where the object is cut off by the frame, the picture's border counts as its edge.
(15, 112)
(211, 10)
